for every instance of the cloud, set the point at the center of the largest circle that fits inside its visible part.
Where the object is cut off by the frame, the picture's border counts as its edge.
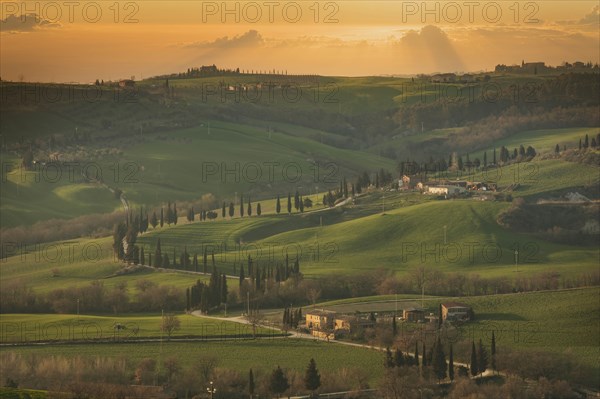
(592, 19)
(25, 23)
(252, 38)
(432, 44)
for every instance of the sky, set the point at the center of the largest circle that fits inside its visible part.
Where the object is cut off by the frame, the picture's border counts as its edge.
(80, 41)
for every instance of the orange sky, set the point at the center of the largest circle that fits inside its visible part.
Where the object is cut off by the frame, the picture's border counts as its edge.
(82, 41)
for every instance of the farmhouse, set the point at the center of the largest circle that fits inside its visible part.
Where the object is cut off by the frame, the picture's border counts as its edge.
(126, 83)
(320, 319)
(352, 323)
(445, 190)
(455, 311)
(413, 314)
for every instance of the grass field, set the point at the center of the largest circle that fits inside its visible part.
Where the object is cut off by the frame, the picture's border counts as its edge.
(26, 328)
(184, 165)
(565, 321)
(77, 263)
(262, 355)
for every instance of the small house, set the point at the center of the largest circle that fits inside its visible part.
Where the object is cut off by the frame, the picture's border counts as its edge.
(413, 314)
(453, 311)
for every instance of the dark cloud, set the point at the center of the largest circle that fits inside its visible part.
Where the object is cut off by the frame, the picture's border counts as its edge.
(25, 23)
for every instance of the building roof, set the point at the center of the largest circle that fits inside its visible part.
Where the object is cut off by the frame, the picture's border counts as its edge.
(414, 310)
(455, 305)
(320, 312)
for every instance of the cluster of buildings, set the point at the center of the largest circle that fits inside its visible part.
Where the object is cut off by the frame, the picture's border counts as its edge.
(447, 188)
(329, 324)
(540, 67)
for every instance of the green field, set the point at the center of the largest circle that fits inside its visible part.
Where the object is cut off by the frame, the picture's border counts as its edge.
(184, 165)
(27, 328)
(262, 355)
(565, 321)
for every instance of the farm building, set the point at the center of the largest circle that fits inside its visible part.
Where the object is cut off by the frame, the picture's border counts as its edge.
(455, 311)
(352, 323)
(413, 314)
(126, 83)
(319, 319)
(445, 190)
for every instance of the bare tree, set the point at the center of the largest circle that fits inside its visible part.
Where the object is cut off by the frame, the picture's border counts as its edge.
(170, 323)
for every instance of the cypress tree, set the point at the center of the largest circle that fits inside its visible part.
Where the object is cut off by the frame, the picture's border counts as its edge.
(482, 358)
(204, 261)
(451, 364)
(249, 207)
(142, 256)
(231, 210)
(242, 205)
(278, 382)
(474, 366)
(439, 361)
(258, 209)
(312, 378)
(162, 217)
(278, 205)
(157, 254)
(154, 220)
(242, 276)
(195, 263)
(224, 210)
(424, 362)
(398, 358)
(223, 289)
(250, 383)
(586, 142)
(394, 326)
(388, 362)
(417, 354)
(556, 149)
(289, 203)
(165, 261)
(493, 350)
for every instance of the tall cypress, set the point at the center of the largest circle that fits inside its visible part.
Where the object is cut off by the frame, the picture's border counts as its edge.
(451, 364)
(474, 366)
(417, 354)
(250, 383)
(493, 349)
(482, 358)
(278, 205)
(439, 361)
(242, 205)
